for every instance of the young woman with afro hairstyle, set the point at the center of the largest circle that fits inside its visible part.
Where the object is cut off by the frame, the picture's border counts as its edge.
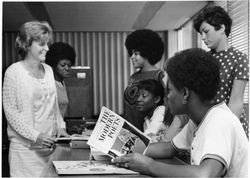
(145, 48)
(150, 102)
(61, 56)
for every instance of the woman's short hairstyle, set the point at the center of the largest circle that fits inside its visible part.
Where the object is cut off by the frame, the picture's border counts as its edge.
(154, 87)
(58, 51)
(215, 16)
(32, 31)
(197, 70)
(147, 42)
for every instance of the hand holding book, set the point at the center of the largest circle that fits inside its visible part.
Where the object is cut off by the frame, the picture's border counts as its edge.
(115, 137)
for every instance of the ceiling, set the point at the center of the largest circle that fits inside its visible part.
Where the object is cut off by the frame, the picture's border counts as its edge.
(102, 16)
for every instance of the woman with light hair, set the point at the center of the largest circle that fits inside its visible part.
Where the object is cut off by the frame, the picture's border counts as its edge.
(30, 103)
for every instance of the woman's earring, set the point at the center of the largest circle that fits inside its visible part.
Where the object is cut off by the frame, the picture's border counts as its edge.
(184, 102)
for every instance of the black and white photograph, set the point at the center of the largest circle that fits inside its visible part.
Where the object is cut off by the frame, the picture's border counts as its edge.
(177, 72)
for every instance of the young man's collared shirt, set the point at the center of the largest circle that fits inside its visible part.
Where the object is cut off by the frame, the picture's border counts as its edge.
(219, 136)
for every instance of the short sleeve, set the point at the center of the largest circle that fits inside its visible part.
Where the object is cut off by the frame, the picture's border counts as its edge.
(242, 67)
(222, 137)
(165, 79)
(159, 76)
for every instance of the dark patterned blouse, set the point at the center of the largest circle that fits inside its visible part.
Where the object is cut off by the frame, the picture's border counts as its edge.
(234, 66)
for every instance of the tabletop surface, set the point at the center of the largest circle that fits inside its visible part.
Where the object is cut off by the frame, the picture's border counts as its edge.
(63, 152)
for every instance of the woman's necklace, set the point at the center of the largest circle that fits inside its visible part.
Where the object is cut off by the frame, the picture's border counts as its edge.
(44, 88)
(34, 71)
(38, 74)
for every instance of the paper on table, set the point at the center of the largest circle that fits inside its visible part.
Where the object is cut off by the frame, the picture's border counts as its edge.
(84, 167)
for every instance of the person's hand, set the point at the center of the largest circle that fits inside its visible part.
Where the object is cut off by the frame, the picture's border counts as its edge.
(62, 133)
(45, 140)
(134, 161)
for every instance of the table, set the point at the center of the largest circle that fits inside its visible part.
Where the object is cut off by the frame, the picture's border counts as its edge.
(63, 152)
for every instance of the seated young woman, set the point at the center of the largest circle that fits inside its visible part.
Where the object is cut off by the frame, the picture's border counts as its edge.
(150, 104)
(158, 124)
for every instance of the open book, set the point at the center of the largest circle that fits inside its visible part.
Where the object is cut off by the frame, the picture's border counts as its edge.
(115, 136)
(85, 167)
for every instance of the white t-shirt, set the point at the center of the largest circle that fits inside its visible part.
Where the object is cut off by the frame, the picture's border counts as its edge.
(155, 124)
(219, 136)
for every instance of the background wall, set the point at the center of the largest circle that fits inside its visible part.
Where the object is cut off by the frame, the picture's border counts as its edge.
(106, 55)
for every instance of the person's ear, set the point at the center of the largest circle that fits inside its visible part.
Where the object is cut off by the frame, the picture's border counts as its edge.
(186, 93)
(157, 99)
(222, 29)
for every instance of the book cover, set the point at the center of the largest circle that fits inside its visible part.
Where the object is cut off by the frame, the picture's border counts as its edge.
(115, 136)
(85, 167)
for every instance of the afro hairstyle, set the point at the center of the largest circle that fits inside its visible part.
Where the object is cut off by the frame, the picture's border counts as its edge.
(147, 42)
(58, 51)
(197, 70)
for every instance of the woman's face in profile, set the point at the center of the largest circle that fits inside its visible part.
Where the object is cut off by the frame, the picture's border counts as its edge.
(210, 35)
(137, 60)
(38, 50)
(63, 68)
